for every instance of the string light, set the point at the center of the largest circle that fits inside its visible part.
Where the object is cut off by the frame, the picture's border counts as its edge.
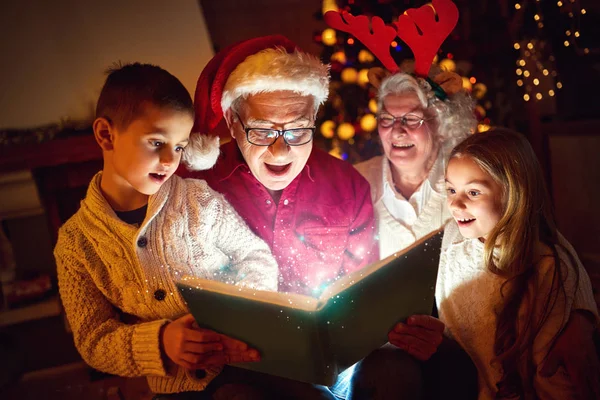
(533, 66)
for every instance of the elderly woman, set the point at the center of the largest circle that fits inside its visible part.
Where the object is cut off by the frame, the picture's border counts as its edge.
(417, 130)
(418, 126)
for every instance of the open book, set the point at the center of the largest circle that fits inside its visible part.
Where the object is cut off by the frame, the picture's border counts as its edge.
(313, 339)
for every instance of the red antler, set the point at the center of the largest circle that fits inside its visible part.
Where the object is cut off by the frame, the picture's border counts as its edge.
(378, 42)
(419, 29)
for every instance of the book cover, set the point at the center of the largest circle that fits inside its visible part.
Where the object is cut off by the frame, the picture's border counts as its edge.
(313, 339)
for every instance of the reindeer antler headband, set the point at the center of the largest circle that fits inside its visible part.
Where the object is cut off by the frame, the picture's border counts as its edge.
(423, 29)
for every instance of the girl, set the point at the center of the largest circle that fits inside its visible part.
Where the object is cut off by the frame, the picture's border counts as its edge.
(507, 278)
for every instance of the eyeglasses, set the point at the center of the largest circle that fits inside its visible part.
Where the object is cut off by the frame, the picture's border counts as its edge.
(267, 137)
(411, 121)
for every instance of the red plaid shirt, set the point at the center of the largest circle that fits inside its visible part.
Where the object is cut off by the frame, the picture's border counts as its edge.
(322, 227)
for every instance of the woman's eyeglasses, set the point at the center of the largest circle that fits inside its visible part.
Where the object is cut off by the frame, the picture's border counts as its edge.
(411, 121)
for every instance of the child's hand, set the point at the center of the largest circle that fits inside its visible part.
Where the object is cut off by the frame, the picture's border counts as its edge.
(237, 351)
(420, 336)
(188, 346)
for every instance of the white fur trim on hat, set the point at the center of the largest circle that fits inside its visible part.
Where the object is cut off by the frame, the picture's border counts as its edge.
(201, 152)
(275, 69)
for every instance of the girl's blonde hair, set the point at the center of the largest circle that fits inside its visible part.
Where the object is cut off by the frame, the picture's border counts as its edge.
(527, 220)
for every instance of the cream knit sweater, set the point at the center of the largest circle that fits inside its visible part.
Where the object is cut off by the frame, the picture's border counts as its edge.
(467, 294)
(112, 276)
(395, 235)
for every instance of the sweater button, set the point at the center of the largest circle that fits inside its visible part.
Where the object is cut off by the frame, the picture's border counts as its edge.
(160, 295)
(142, 242)
(200, 374)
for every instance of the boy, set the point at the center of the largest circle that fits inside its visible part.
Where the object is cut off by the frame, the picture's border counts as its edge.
(138, 230)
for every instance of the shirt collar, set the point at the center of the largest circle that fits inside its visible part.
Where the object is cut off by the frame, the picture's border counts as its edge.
(435, 178)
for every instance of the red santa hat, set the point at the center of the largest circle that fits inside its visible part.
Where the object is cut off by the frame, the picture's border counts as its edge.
(264, 64)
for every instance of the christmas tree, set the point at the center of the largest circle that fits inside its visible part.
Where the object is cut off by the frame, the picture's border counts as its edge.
(346, 124)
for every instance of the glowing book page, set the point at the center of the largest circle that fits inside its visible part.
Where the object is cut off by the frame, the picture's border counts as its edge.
(288, 300)
(312, 340)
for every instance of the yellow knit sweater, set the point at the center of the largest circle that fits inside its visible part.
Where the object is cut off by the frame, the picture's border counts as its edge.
(108, 269)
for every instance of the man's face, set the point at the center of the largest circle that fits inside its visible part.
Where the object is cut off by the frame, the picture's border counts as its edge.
(277, 165)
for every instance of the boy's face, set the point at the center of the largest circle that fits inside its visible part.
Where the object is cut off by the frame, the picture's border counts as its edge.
(147, 152)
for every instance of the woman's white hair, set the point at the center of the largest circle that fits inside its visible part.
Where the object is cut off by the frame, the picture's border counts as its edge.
(454, 117)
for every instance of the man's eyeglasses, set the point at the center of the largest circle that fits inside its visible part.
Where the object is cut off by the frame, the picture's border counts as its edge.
(411, 121)
(267, 137)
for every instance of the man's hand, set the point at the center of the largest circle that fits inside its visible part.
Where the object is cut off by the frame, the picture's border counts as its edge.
(420, 336)
(574, 349)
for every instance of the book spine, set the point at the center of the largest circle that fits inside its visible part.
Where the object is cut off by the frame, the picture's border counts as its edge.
(327, 356)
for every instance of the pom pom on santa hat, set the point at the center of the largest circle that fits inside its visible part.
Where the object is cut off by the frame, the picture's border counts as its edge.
(264, 64)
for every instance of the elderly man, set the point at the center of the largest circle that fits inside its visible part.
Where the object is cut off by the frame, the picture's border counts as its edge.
(312, 209)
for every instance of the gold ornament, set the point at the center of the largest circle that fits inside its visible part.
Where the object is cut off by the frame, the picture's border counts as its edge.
(467, 85)
(368, 123)
(373, 106)
(364, 56)
(363, 78)
(327, 129)
(339, 56)
(479, 90)
(349, 75)
(328, 37)
(447, 65)
(345, 131)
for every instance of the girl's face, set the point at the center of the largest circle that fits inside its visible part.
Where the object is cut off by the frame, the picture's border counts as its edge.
(474, 198)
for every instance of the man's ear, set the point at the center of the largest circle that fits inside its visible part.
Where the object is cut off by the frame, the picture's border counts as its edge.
(104, 133)
(229, 118)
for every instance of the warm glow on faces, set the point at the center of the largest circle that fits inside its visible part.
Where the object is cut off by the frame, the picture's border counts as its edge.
(277, 165)
(474, 198)
(146, 153)
(407, 149)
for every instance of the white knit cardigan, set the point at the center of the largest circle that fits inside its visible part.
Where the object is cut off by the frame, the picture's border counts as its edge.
(108, 269)
(395, 235)
(467, 295)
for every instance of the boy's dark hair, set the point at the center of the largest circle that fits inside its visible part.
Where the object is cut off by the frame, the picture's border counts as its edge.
(129, 86)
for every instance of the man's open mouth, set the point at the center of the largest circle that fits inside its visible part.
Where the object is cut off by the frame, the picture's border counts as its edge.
(278, 169)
